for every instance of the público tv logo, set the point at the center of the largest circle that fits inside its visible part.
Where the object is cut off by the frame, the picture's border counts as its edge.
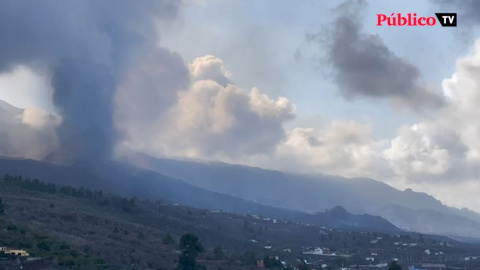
(411, 19)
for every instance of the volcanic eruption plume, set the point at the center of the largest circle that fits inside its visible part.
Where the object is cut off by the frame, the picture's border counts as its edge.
(87, 47)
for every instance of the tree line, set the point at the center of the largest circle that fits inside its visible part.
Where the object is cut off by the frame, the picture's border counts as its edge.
(37, 185)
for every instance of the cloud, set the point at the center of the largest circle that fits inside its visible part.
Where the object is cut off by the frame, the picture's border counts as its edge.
(363, 66)
(414, 151)
(146, 93)
(37, 118)
(344, 148)
(445, 146)
(24, 87)
(212, 119)
(467, 9)
(210, 68)
(27, 133)
(439, 153)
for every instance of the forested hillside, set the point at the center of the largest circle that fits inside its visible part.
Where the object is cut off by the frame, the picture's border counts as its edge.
(77, 228)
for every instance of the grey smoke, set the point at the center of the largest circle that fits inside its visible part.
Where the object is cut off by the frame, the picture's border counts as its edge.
(26, 133)
(467, 10)
(88, 47)
(84, 97)
(364, 66)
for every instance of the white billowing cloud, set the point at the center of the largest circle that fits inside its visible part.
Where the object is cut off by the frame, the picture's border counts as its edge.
(415, 150)
(212, 120)
(445, 146)
(38, 118)
(210, 67)
(216, 119)
(27, 133)
(344, 148)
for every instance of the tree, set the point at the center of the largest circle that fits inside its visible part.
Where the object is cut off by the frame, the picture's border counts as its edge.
(420, 239)
(218, 253)
(249, 258)
(2, 208)
(393, 265)
(303, 266)
(191, 247)
(168, 239)
(271, 262)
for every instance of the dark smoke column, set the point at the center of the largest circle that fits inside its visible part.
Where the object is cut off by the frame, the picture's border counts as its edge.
(88, 48)
(84, 96)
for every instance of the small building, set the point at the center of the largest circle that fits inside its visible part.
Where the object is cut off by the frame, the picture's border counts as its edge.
(17, 252)
(316, 251)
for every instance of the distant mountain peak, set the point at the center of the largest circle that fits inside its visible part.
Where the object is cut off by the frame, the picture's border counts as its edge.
(338, 210)
(10, 109)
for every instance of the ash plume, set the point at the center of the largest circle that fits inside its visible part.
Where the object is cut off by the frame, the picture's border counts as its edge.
(87, 47)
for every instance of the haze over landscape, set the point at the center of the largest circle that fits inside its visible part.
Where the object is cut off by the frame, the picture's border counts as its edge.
(306, 112)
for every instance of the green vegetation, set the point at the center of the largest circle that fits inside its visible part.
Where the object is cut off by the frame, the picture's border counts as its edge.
(218, 253)
(2, 208)
(47, 248)
(37, 185)
(303, 266)
(271, 262)
(135, 234)
(168, 239)
(249, 258)
(393, 265)
(191, 247)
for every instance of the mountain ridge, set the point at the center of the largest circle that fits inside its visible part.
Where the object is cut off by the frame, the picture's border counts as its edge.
(127, 180)
(311, 193)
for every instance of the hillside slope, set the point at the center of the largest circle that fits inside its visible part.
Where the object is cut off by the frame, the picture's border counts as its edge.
(130, 181)
(128, 233)
(314, 193)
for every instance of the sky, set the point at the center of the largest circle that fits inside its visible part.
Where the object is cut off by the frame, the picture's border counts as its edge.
(300, 86)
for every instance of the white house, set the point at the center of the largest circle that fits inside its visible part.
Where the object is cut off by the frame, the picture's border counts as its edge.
(17, 252)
